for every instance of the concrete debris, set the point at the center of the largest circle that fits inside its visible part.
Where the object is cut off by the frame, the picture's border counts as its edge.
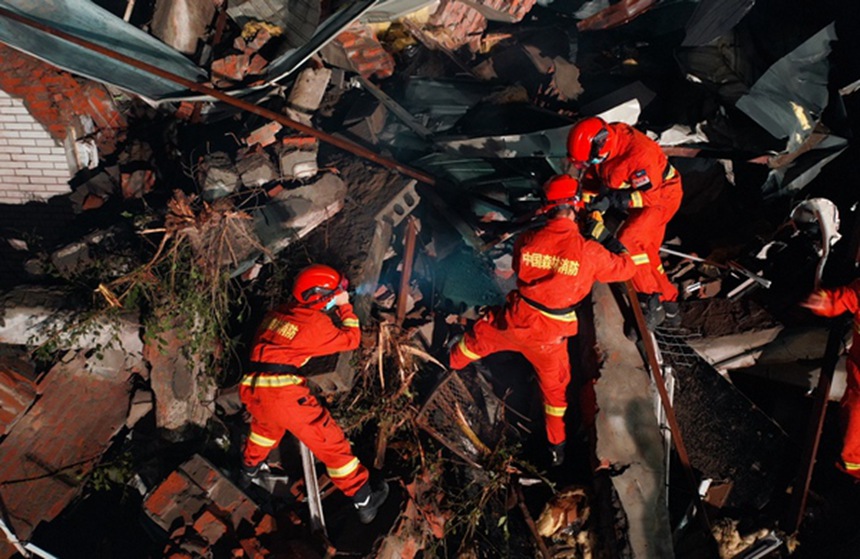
(629, 442)
(366, 119)
(292, 214)
(181, 23)
(297, 158)
(255, 168)
(33, 316)
(142, 402)
(307, 93)
(217, 175)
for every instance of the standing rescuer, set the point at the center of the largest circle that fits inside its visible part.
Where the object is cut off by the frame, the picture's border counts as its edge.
(277, 396)
(556, 267)
(833, 302)
(633, 174)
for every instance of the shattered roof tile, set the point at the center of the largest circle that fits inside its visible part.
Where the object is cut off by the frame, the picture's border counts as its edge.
(49, 453)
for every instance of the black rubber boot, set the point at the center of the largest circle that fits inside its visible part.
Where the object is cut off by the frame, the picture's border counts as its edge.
(673, 314)
(654, 311)
(247, 475)
(556, 454)
(367, 501)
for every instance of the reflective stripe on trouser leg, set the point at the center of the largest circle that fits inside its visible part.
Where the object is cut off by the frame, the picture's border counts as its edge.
(483, 339)
(313, 425)
(552, 366)
(261, 440)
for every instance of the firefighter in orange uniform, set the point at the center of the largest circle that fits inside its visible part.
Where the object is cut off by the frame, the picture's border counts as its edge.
(556, 267)
(277, 397)
(833, 302)
(634, 175)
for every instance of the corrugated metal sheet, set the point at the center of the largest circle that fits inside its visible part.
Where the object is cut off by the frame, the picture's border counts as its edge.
(90, 22)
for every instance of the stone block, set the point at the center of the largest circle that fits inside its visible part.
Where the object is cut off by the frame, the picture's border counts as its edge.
(256, 169)
(218, 175)
(298, 161)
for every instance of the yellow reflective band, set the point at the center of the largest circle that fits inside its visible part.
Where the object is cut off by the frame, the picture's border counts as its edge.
(636, 200)
(670, 174)
(467, 352)
(282, 328)
(851, 466)
(344, 471)
(351, 323)
(260, 440)
(271, 381)
(598, 230)
(624, 185)
(554, 411)
(660, 268)
(640, 259)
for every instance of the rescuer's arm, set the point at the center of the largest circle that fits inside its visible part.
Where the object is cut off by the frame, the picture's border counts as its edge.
(835, 301)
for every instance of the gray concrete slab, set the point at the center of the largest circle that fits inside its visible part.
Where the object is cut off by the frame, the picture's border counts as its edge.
(628, 438)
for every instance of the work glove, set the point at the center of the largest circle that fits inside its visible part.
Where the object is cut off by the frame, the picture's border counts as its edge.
(613, 245)
(613, 199)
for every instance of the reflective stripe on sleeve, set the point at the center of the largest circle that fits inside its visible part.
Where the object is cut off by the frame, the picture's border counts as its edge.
(344, 471)
(660, 269)
(260, 440)
(636, 200)
(351, 323)
(640, 259)
(466, 351)
(554, 411)
(851, 466)
(598, 230)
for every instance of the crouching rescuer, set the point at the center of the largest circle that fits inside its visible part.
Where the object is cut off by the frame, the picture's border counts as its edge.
(556, 268)
(318, 320)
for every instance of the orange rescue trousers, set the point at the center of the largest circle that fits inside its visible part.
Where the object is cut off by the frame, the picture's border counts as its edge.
(540, 338)
(277, 409)
(642, 234)
(850, 415)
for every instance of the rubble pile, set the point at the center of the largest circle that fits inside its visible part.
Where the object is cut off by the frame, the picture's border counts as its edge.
(220, 147)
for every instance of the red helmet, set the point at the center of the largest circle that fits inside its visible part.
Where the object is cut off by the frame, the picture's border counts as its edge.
(560, 190)
(589, 142)
(317, 284)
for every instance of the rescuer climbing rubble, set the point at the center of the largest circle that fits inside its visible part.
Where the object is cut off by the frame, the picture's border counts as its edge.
(556, 268)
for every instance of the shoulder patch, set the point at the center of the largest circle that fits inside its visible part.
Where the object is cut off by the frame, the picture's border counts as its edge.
(639, 178)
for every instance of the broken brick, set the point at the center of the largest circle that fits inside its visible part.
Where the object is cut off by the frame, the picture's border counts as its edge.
(266, 135)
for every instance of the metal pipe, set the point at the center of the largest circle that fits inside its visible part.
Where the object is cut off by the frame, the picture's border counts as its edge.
(653, 364)
(313, 490)
(341, 143)
(800, 490)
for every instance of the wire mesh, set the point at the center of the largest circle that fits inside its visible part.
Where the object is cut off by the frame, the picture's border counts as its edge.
(463, 415)
(675, 349)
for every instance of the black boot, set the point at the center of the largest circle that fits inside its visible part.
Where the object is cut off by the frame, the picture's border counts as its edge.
(556, 454)
(247, 474)
(653, 309)
(673, 314)
(367, 501)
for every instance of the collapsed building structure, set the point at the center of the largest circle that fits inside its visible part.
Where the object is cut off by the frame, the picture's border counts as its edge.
(166, 167)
